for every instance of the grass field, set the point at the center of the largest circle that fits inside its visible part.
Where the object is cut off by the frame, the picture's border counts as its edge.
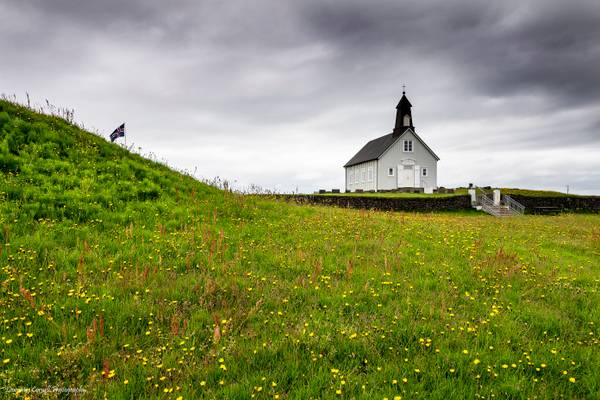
(126, 280)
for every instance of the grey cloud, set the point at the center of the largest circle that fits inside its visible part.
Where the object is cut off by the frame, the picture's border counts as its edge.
(315, 79)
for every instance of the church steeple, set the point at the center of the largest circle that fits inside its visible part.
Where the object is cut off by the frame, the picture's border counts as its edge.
(403, 115)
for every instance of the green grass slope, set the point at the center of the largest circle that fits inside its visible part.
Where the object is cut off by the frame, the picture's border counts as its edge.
(123, 279)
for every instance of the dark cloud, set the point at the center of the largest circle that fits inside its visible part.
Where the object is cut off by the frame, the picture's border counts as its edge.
(283, 93)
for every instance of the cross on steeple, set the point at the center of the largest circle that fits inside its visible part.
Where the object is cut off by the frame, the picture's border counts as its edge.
(403, 89)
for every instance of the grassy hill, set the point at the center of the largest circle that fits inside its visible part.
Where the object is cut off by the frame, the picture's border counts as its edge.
(121, 278)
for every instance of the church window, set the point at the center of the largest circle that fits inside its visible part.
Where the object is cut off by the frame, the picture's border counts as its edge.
(408, 146)
(364, 175)
(424, 171)
(351, 178)
(390, 171)
(407, 120)
(370, 176)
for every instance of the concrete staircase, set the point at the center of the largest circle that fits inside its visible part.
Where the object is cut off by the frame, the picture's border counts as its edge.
(498, 205)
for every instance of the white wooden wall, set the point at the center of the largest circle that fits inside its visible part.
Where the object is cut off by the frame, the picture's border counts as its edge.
(362, 176)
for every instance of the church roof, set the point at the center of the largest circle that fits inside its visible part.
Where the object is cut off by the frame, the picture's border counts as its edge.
(376, 147)
(372, 150)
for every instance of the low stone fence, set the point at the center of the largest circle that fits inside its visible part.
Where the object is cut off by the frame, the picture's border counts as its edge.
(533, 204)
(418, 204)
(579, 204)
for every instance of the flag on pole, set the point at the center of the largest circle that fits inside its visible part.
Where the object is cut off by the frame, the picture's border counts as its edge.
(117, 133)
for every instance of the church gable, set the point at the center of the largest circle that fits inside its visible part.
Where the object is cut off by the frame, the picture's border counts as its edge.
(418, 146)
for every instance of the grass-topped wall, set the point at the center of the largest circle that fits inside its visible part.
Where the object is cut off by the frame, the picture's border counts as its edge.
(417, 203)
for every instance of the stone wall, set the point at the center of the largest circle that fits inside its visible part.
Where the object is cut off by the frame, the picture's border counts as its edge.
(583, 204)
(418, 204)
(533, 204)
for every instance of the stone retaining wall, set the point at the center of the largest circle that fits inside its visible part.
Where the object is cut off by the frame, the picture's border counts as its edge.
(419, 204)
(580, 204)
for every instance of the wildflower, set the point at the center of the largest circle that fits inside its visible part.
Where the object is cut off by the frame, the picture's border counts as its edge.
(476, 361)
(572, 379)
(6, 361)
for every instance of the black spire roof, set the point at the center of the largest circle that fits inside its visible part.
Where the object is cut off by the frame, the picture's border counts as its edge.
(403, 102)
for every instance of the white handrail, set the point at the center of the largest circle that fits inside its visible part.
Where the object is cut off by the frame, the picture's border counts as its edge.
(507, 206)
(514, 205)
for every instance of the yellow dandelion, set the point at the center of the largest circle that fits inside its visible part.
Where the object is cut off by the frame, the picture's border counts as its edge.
(572, 379)
(6, 361)
(476, 361)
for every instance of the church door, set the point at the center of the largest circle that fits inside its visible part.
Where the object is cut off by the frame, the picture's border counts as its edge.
(406, 176)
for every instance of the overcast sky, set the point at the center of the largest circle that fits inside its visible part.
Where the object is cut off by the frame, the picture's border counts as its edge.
(283, 93)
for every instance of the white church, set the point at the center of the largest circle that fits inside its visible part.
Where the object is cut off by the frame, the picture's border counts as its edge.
(400, 160)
